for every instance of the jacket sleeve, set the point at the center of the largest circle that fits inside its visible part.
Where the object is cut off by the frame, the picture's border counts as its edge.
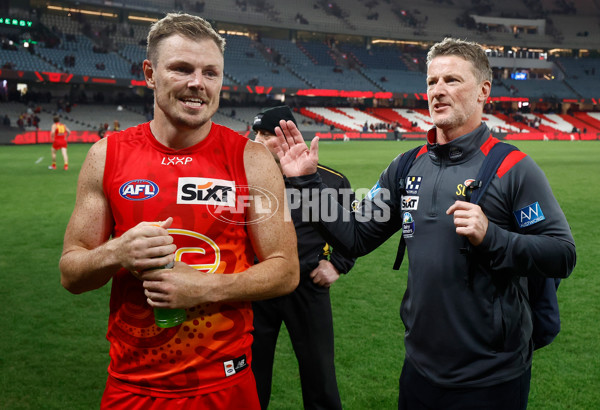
(346, 196)
(362, 230)
(538, 240)
(342, 263)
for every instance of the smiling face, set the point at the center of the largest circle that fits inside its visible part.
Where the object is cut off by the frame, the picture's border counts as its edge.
(455, 96)
(186, 76)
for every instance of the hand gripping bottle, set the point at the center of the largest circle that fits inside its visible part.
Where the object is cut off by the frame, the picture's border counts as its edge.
(169, 317)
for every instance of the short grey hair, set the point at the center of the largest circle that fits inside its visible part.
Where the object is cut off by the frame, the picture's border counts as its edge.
(467, 50)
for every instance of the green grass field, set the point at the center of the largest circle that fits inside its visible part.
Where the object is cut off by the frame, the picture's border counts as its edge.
(53, 351)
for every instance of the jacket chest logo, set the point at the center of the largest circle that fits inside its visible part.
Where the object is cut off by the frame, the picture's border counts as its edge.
(410, 203)
(413, 184)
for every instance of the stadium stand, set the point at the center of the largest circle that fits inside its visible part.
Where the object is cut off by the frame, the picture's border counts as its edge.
(20, 59)
(250, 62)
(325, 58)
(549, 89)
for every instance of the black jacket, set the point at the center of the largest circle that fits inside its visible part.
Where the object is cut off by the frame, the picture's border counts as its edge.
(311, 245)
(467, 320)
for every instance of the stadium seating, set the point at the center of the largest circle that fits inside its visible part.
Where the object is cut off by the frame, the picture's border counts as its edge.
(333, 48)
(364, 68)
(23, 60)
(534, 88)
(248, 62)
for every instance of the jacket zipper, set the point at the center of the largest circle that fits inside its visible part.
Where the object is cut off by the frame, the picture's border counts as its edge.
(434, 194)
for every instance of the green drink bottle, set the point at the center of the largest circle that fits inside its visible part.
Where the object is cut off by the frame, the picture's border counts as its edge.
(169, 317)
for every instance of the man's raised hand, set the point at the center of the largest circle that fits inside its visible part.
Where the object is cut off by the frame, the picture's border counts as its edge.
(295, 157)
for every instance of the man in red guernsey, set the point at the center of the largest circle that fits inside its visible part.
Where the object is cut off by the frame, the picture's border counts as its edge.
(181, 188)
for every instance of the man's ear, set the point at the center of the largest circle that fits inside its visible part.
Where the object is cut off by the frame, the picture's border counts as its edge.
(484, 92)
(148, 73)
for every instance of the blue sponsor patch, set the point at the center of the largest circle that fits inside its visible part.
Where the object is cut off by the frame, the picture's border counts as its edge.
(138, 190)
(408, 225)
(412, 185)
(371, 194)
(529, 215)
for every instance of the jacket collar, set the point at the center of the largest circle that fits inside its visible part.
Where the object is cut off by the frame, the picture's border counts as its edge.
(458, 149)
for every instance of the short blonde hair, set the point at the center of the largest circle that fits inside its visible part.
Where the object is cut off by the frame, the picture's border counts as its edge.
(186, 25)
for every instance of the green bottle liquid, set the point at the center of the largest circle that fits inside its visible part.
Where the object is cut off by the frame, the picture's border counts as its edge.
(169, 317)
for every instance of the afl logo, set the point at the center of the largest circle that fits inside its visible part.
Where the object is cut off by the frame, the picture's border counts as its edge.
(138, 190)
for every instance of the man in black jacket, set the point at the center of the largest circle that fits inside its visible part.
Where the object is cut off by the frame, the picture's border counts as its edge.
(468, 325)
(306, 312)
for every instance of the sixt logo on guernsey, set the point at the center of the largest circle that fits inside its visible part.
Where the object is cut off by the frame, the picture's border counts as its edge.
(529, 215)
(138, 190)
(205, 191)
(412, 185)
(176, 160)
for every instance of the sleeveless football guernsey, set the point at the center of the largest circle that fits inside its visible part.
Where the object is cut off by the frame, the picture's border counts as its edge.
(60, 134)
(198, 187)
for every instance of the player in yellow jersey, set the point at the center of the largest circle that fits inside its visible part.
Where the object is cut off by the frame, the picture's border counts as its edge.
(59, 133)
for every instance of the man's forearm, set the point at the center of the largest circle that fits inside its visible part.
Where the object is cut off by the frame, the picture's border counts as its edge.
(268, 279)
(83, 270)
(353, 233)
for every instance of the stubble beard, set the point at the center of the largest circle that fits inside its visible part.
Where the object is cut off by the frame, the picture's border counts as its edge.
(184, 120)
(452, 120)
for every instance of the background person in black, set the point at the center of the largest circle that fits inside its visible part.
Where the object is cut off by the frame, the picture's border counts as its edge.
(306, 312)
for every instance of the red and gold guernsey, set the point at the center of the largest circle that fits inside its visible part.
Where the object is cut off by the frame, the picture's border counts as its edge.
(60, 136)
(146, 181)
(61, 131)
